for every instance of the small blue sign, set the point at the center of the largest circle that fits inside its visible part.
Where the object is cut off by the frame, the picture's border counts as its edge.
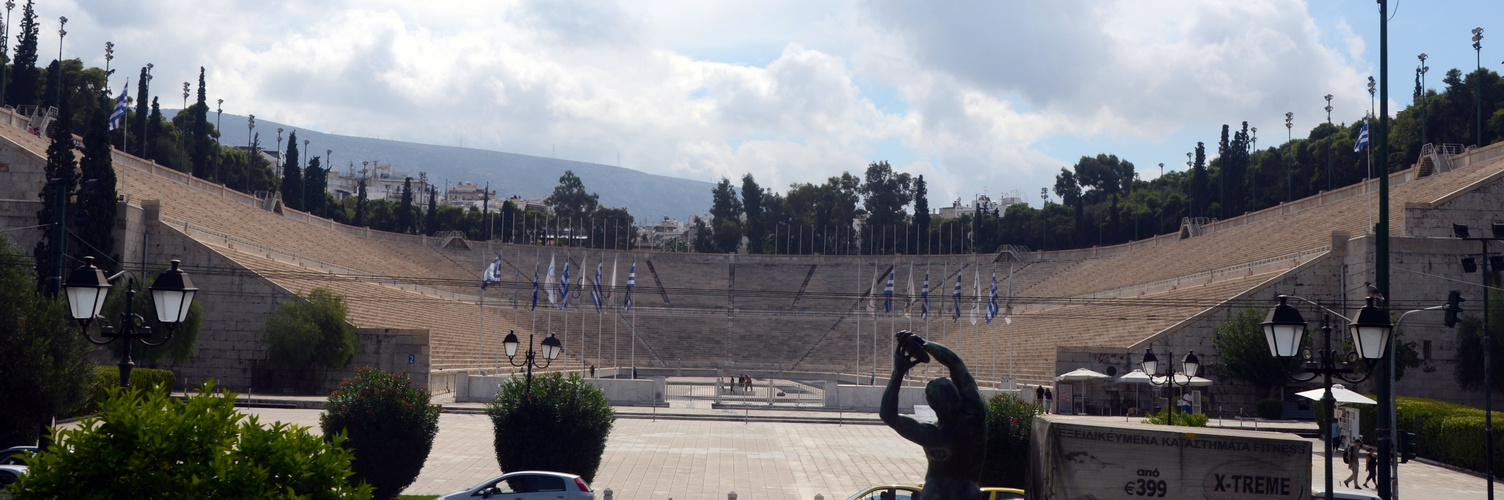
(412, 359)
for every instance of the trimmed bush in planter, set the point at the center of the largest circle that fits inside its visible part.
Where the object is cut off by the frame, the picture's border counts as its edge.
(1270, 409)
(389, 424)
(1009, 420)
(561, 425)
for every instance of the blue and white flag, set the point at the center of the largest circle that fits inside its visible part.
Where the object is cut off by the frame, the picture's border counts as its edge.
(992, 307)
(631, 284)
(888, 294)
(976, 293)
(1362, 137)
(117, 116)
(908, 300)
(955, 299)
(924, 295)
(564, 286)
(535, 288)
(596, 294)
(492, 274)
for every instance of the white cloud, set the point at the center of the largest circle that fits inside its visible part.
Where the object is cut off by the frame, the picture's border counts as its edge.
(992, 92)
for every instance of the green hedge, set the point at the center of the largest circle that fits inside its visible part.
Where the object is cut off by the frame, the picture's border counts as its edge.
(106, 377)
(1270, 409)
(1445, 432)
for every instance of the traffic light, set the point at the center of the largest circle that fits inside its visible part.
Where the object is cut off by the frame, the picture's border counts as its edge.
(1454, 306)
(1407, 446)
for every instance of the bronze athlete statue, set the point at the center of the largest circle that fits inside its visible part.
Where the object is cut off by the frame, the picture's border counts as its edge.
(957, 444)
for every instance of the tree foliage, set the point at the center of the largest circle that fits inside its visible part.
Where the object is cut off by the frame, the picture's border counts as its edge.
(1243, 352)
(292, 175)
(311, 333)
(184, 335)
(390, 425)
(96, 205)
(570, 200)
(45, 370)
(560, 425)
(1009, 422)
(197, 447)
(25, 79)
(1468, 370)
(752, 206)
(61, 171)
(726, 214)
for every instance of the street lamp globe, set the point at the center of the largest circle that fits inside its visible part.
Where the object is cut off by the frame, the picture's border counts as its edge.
(86, 289)
(552, 347)
(172, 294)
(1150, 364)
(1370, 331)
(511, 344)
(1284, 329)
(1191, 364)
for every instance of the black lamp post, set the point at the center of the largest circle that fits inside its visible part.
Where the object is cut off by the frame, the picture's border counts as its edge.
(1478, 99)
(219, 110)
(551, 349)
(1469, 265)
(1289, 177)
(1420, 93)
(172, 294)
(1285, 329)
(1189, 366)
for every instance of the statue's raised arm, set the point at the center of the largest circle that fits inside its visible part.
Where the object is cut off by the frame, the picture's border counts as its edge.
(955, 445)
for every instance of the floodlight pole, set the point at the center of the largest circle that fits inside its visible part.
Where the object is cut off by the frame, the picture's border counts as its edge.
(1383, 387)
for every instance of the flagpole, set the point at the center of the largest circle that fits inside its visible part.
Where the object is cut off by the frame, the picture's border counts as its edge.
(480, 345)
(857, 371)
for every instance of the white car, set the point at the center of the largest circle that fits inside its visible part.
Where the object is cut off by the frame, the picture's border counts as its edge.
(528, 485)
(1342, 493)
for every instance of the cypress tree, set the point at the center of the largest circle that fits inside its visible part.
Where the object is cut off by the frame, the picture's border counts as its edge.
(752, 206)
(153, 130)
(921, 214)
(292, 175)
(96, 208)
(61, 167)
(405, 208)
(203, 166)
(25, 78)
(431, 220)
(314, 182)
(142, 101)
(360, 205)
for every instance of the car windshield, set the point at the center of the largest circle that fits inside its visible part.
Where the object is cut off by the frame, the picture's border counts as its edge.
(884, 494)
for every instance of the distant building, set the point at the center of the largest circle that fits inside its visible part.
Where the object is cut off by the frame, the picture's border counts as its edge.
(467, 194)
(383, 182)
(956, 209)
(664, 230)
(527, 205)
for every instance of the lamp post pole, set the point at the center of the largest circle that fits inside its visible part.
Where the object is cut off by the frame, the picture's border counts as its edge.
(219, 110)
(1284, 329)
(1189, 365)
(1461, 231)
(1289, 137)
(61, 22)
(1478, 100)
(185, 95)
(1383, 388)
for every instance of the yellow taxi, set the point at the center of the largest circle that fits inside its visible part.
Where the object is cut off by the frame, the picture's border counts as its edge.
(995, 493)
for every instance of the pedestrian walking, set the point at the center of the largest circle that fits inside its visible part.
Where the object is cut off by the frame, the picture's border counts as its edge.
(1353, 457)
(1048, 396)
(1039, 397)
(1372, 465)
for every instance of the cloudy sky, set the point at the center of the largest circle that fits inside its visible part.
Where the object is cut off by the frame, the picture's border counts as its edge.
(979, 97)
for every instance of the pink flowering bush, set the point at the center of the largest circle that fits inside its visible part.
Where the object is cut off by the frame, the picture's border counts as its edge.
(389, 424)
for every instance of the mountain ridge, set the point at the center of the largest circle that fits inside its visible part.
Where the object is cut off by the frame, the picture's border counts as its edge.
(531, 177)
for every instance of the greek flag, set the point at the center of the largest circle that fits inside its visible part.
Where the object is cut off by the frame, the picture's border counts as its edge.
(924, 306)
(564, 286)
(117, 116)
(976, 293)
(908, 302)
(888, 294)
(596, 294)
(492, 274)
(955, 300)
(992, 307)
(1362, 137)
(535, 288)
(631, 283)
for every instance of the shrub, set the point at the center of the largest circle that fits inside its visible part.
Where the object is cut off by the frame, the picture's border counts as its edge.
(148, 444)
(1009, 420)
(311, 332)
(1182, 419)
(1270, 409)
(1449, 433)
(143, 379)
(45, 370)
(561, 425)
(390, 425)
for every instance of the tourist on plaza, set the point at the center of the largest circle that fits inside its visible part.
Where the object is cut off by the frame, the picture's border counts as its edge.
(1353, 456)
(1039, 396)
(1047, 397)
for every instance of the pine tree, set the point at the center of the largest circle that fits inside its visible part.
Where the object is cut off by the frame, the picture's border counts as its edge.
(203, 166)
(96, 207)
(25, 79)
(142, 103)
(292, 175)
(62, 173)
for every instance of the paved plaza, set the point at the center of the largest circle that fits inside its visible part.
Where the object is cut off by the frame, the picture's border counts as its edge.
(706, 459)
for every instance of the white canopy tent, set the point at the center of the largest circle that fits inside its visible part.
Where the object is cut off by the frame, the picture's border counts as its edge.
(1081, 375)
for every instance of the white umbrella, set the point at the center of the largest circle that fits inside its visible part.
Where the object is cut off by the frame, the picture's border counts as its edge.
(1342, 394)
(1081, 375)
(1134, 377)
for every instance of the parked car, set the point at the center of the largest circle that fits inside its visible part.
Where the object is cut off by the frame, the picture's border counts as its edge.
(12, 455)
(1318, 492)
(996, 493)
(527, 485)
(886, 492)
(10, 474)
